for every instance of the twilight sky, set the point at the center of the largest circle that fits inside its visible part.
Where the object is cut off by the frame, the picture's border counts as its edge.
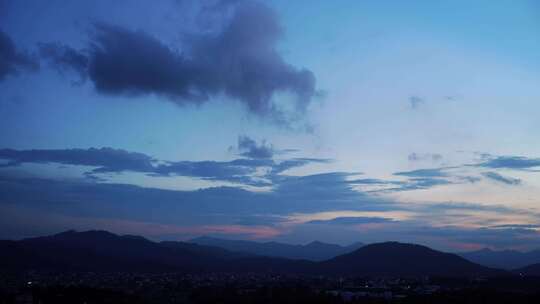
(294, 121)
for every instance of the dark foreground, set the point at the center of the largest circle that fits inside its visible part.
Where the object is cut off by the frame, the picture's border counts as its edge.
(255, 288)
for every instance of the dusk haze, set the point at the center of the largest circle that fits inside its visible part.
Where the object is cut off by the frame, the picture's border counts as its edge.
(330, 139)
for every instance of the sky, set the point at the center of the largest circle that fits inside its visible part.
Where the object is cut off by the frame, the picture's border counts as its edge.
(291, 121)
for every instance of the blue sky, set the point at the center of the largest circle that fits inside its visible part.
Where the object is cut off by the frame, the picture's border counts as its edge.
(340, 121)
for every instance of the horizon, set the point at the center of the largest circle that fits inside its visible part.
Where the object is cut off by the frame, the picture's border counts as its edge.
(193, 241)
(273, 121)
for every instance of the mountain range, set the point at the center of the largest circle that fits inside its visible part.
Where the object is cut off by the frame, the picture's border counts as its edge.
(319, 251)
(314, 251)
(505, 259)
(101, 251)
(104, 251)
(410, 259)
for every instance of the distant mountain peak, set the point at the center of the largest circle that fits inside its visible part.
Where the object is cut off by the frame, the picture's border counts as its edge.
(507, 259)
(67, 232)
(314, 251)
(77, 235)
(101, 233)
(134, 237)
(395, 258)
(396, 244)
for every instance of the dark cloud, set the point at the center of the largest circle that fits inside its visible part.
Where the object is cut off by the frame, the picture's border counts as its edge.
(105, 159)
(239, 61)
(424, 183)
(422, 179)
(325, 190)
(123, 61)
(518, 226)
(434, 172)
(352, 221)
(12, 61)
(204, 206)
(502, 179)
(415, 102)
(469, 179)
(315, 181)
(237, 171)
(64, 58)
(108, 160)
(511, 162)
(427, 178)
(295, 162)
(249, 148)
(424, 157)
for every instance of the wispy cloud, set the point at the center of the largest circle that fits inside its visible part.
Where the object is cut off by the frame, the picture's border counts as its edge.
(415, 102)
(414, 157)
(511, 162)
(245, 214)
(502, 179)
(249, 148)
(109, 160)
(434, 172)
(352, 221)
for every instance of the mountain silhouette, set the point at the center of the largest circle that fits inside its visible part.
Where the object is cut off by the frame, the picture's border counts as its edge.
(506, 259)
(314, 251)
(393, 258)
(102, 251)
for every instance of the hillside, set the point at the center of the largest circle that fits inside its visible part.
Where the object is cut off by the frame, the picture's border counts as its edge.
(506, 259)
(393, 258)
(314, 251)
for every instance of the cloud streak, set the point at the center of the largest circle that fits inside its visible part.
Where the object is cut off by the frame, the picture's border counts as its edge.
(108, 160)
(421, 173)
(511, 162)
(352, 221)
(502, 179)
(105, 159)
